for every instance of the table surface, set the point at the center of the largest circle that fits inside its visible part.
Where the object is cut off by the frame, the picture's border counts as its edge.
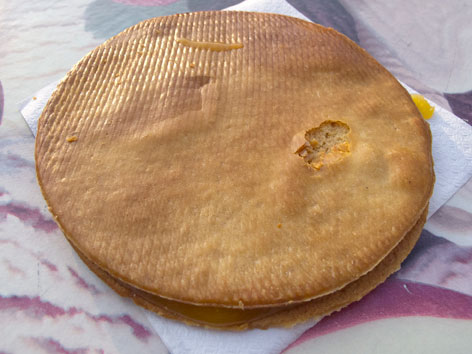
(50, 301)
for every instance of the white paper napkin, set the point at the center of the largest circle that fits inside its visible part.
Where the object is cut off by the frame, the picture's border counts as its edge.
(452, 153)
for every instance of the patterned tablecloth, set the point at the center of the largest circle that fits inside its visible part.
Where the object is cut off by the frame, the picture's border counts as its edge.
(50, 302)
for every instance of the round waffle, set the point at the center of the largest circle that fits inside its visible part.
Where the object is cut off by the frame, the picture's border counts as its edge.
(233, 159)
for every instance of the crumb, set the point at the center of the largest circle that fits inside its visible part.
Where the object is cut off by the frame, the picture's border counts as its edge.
(72, 138)
(35, 98)
(279, 226)
(326, 144)
(192, 65)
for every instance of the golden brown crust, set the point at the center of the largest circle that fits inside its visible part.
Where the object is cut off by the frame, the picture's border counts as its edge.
(182, 181)
(284, 316)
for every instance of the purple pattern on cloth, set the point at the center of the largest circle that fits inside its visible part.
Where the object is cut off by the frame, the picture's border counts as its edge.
(35, 308)
(81, 283)
(437, 261)
(2, 101)
(49, 265)
(28, 215)
(395, 298)
(329, 13)
(461, 104)
(52, 346)
(146, 2)
(454, 219)
(11, 160)
(106, 18)
(12, 269)
(38, 256)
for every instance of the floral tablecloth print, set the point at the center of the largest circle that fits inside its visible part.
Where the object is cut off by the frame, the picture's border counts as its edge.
(50, 302)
